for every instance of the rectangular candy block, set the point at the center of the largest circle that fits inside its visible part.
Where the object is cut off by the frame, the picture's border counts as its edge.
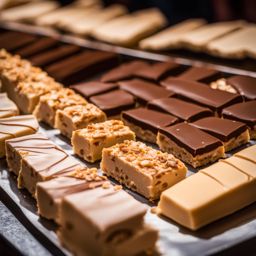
(141, 168)
(109, 219)
(7, 107)
(190, 144)
(209, 194)
(89, 142)
(77, 117)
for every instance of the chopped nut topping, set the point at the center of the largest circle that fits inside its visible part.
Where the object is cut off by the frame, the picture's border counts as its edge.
(88, 174)
(117, 187)
(106, 185)
(146, 159)
(222, 85)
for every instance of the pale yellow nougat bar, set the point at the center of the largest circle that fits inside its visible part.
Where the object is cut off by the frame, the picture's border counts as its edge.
(49, 104)
(212, 193)
(89, 142)
(77, 117)
(143, 169)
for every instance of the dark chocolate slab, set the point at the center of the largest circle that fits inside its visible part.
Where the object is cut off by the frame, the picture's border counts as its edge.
(124, 71)
(195, 141)
(148, 119)
(144, 91)
(14, 40)
(158, 71)
(185, 111)
(81, 66)
(37, 47)
(244, 112)
(223, 129)
(244, 85)
(201, 93)
(200, 74)
(48, 57)
(88, 89)
(114, 102)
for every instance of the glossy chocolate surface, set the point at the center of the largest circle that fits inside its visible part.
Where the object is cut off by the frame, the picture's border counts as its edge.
(144, 91)
(185, 111)
(195, 141)
(114, 102)
(148, 119)
(201, 93)
(223, 129)
(88, 89)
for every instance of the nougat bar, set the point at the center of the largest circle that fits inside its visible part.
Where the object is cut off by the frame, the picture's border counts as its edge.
(114, 102)
(77, 117)
(52, 163)
(190, 144)
(244, 112)
(145, 122)
(212, 193)
(33, 144)
(89, 142)
(7, 107)
(184, 110)
(16, 126)
(49, 194)
(201, 94)
(144, 91)
(141, 168)
(248, 153)
(110, 220)
(56, 100)
(231, 133)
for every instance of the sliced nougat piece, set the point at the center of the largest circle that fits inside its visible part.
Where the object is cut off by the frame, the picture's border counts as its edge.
(53, 163)
(16, 126)
(143, 169)
(210, 194)
(190, 144)
(49, 194)
(89, 142)
(248, 153)
(110, 220)
(49, 104)
(29, 144)
(77, 117)
(7, 107)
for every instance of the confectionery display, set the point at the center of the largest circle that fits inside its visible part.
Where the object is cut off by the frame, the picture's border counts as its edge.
(142, 168)
(16, 126)
(193, 205)
(190, 144)
(89, 142)
(77, 117)
(107, 150)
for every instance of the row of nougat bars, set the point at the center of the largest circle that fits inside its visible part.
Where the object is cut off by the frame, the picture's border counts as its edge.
(12, 124)
(76, 198)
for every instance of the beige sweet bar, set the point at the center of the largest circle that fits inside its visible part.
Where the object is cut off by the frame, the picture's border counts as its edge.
(212, 193)
(16, 126)
(7, 107)
(56, 100)
(89, 142)
(77, 117)
(141, 168)
(110, 220)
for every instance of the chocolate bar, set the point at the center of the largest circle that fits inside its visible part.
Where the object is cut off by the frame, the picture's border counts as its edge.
(145, 122)
(190, 144)
(201, 94)
(50, 56)
(88, 89)
(81, 66)
(114, 102)
(244, 112)
(36, 47)
(144, 91)
(209, 194)
(232, 133)
(185, 111)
